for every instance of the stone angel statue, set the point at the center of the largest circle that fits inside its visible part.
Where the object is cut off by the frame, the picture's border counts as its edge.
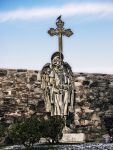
(58, 86)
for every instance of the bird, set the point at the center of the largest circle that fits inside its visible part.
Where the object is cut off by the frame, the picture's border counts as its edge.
(59, 18)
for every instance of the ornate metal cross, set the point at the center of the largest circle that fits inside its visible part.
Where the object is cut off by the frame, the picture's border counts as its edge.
(60, 31)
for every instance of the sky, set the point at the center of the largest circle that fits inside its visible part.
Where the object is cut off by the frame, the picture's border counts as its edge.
(25, 43)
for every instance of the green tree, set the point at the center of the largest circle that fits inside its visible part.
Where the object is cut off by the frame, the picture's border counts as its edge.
(53, 128)
(108, 122)
(2, 131)
(26, 132)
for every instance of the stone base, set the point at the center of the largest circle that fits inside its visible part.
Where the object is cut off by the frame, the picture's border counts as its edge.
(73, 138)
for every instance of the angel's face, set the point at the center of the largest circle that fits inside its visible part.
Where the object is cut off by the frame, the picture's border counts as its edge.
(48, 70)
(56, 61)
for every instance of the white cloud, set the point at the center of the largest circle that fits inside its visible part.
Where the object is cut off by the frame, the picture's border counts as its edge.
(98, 9)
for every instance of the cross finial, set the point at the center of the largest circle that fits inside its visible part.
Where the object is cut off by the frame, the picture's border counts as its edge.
(60, 31)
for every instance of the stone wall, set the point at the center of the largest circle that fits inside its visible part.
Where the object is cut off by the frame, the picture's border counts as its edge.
(94, 102)
(21, 95)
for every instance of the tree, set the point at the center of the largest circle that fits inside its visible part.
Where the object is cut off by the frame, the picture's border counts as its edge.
(30, 130)
(108, 122)
(54, 126)
(2, 131)
(26, 132)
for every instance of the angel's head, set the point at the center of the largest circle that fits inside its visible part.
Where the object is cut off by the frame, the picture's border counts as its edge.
(57, 59)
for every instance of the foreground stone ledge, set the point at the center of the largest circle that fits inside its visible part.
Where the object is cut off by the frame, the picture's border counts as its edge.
(94, 146)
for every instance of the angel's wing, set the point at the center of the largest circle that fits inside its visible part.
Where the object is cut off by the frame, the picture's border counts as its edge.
(68, 68)
(44, 72)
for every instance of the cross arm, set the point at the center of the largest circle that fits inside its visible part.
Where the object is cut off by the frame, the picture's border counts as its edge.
(67, 32)
(52, 32)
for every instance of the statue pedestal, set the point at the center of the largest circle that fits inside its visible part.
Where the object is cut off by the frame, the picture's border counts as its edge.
(73, 138)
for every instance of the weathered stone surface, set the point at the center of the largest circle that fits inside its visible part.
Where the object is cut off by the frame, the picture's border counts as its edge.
(21, 70)
(3, 72)
(73, 138)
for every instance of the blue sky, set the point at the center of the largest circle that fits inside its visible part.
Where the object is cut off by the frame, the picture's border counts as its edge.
(24, 42)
